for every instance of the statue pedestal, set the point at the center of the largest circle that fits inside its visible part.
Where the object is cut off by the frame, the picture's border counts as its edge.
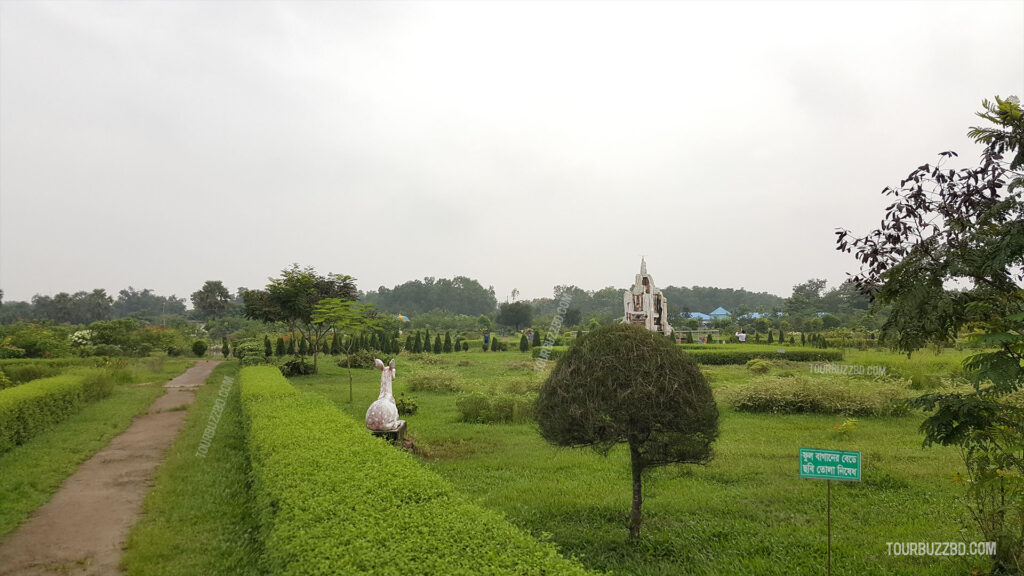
(393, 436)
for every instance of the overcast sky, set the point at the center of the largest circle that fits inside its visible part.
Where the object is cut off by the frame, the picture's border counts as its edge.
(525, 144)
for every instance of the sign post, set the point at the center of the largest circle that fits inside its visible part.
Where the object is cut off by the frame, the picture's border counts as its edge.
(829, 465)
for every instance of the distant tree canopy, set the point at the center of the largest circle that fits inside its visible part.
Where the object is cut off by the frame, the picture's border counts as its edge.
(146, 304)
(87, 307)
(211, 301)
(515, 314)
(606, 303)
(292, 299)
(459, 295)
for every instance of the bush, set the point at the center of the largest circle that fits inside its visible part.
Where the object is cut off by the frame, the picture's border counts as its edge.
(329, 498)
(250, 352)
(759, 365)
(31, 408)
(406, 406)
(109, 350)
(803, 394)
(481, 408)
(435, 381)
(175, 350)
(199, 348)
(554, 352)
(296, 367)
(5, 382)
(97, 384)
(361, 359)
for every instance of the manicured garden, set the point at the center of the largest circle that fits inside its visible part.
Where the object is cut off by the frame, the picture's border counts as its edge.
(746, 512)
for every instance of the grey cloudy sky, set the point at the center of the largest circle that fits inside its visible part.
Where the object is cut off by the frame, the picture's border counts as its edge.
(526, 144)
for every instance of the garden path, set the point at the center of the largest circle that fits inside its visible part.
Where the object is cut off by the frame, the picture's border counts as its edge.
(82, 529)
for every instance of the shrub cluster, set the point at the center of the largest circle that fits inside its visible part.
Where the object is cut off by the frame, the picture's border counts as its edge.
(481, 408)
(806, 395)
(332, 499)
(31, 408)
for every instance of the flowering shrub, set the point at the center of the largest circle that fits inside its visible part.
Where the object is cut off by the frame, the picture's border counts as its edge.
(81, 339)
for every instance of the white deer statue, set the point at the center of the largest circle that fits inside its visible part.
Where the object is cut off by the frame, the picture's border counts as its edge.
(382, 416)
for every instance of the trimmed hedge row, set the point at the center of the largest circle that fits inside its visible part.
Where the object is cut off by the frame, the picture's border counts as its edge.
(803, 394)
(31, 408)
(719, 357)
(332, 499)
(710, 354)
(554, 353)
(480, 408)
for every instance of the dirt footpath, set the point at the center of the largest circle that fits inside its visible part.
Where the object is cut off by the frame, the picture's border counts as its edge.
(81, 530)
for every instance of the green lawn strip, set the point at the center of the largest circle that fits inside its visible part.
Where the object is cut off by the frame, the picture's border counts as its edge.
(748, 512)
(197, 518)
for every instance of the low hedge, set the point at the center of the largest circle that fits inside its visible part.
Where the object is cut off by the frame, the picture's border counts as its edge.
(31, 408)
(718, 357)
(712, 354)
(500, 408)
(332, 499)
(805, 395)
(554, 352)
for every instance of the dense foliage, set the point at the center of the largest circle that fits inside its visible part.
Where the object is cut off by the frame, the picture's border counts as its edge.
(457, 296)
(949, 256)
(332, 499)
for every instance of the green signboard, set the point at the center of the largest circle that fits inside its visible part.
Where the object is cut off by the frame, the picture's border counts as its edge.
(830, 464)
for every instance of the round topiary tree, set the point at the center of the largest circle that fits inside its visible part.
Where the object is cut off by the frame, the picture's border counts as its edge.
(199, 348)
(624, 384)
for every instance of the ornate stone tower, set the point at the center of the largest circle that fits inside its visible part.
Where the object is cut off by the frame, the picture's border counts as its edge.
(645, 305)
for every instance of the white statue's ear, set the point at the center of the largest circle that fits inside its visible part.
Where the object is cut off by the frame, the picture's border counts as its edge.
(378, 363)
(392, 364)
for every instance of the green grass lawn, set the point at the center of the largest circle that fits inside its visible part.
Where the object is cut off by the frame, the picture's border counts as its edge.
(745, 513)
(32, 472)
(196, 519)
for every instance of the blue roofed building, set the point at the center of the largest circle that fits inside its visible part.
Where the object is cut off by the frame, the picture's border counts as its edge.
(719, 313)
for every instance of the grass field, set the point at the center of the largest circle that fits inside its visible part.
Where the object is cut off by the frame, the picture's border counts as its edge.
(32, 472)
(747, 512)
(196, 519)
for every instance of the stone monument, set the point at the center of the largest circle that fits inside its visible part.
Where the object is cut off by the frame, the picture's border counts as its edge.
(645, 305)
